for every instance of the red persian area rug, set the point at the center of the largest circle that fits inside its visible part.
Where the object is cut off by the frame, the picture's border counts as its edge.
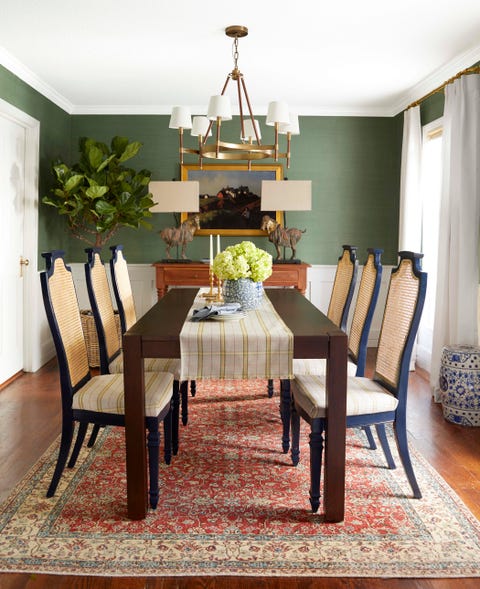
(231, 503)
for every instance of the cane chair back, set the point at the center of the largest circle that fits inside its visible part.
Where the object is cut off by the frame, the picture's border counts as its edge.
(403, 309)
(365, 304)
(122, 288)
(63, 308)
(102, 308)
(343, 287)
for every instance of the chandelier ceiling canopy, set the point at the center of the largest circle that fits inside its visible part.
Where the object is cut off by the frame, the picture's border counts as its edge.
(250, 147)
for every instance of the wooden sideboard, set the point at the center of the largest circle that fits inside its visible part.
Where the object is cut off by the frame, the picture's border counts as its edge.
(196, 274)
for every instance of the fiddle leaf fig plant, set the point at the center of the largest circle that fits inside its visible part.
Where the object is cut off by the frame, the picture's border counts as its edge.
(98, 195)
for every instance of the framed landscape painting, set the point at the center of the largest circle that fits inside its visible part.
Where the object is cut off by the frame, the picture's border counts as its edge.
(229, 201)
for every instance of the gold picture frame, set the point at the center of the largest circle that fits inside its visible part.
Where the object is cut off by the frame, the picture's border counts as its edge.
(230, 197)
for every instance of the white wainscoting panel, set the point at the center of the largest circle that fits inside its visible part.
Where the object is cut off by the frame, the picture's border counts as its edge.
(319, 286)
(142, 277)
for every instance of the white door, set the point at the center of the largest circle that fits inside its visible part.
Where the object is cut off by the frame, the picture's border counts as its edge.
(12, 199)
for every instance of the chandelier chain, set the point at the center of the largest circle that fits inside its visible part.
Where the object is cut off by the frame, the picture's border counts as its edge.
(235, 53)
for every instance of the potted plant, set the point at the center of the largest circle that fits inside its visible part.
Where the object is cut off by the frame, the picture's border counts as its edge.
(243, 268)
(98, 195)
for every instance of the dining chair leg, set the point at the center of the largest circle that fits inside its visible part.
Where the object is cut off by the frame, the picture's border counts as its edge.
(270, 389)
(193, 388)
(370, 439)
(93, 435)
(153, 445)
(82, 430)
(402, 444)
(285, 402)
(382, 436)
(65, 443)
(184, 397)
(316, 449)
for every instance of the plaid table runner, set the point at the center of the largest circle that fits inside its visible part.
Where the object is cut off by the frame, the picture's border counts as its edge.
(258, 346)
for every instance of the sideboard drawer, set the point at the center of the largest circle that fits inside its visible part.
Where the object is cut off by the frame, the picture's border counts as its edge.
(282, 277)
(180, 277)
(197, 274)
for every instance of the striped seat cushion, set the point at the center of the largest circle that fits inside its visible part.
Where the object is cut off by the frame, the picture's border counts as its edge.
(151, 365)
(364, 396)
(105, 394)
(317, 366)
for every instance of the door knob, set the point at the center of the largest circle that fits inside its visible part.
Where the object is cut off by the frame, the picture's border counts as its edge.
(23, 262)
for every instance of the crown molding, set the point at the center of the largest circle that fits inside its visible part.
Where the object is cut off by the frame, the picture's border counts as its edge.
(434, 80)
(437, 78)
(16, 67)
(120, 109)
(137, 109)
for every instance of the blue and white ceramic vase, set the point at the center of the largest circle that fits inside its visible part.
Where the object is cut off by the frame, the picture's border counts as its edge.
(244, 291)
(460, 384)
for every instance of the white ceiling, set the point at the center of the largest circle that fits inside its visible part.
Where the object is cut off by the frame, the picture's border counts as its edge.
(341, 57)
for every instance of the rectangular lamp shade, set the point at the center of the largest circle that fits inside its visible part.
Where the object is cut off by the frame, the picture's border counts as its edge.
(174, 197)
(286, 195)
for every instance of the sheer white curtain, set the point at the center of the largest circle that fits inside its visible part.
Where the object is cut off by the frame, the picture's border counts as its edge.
(410, 219)
(457, 280)
(410, 222)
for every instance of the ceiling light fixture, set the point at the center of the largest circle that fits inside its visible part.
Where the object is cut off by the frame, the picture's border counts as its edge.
(219, 110)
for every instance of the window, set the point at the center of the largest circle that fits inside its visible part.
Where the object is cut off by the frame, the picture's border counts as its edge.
(430, 189)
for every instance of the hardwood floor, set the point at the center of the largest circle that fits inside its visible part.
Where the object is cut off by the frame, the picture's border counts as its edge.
(30, 421)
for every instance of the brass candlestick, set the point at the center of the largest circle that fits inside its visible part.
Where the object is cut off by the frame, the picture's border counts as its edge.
(219, 296)
(210, 295)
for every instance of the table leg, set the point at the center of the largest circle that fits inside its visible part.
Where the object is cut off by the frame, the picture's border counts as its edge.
(334, 469)
(285, 403)
(136, 454)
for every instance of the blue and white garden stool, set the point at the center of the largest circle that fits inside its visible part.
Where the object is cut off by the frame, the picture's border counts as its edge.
(460, 384)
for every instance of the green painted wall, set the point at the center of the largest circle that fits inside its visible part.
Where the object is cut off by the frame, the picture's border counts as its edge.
(354, 164)
(54, 141)
(432, 108)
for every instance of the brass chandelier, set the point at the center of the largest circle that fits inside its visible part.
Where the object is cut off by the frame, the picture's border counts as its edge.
(250, 147)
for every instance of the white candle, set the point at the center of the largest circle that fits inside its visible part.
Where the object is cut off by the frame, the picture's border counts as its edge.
(218, 244)
(211, 250)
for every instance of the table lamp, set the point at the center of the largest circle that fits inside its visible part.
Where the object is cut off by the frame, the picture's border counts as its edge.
(175, 197)
(285, 195)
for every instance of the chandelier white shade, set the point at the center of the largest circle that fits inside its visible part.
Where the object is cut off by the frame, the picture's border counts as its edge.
(278, 113)
(174, 197)
(249, 129)
(292, 127)
(220, 109)
(200, 126)
(181, 118)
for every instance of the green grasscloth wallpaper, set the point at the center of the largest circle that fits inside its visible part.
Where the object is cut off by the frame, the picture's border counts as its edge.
(54, 139)
(353, 162)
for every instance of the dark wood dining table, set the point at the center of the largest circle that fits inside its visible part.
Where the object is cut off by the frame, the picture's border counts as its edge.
(157, 335)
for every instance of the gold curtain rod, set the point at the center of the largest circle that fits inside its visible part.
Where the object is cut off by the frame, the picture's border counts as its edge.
(470, 70)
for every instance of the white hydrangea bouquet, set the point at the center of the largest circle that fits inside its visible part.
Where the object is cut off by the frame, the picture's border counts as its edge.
(243, 260)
